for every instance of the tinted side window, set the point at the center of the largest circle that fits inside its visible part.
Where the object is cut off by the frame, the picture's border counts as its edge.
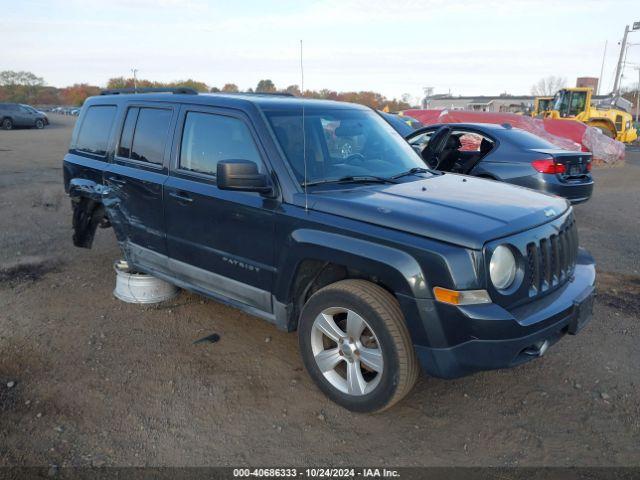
(126, 139)
(208, 138)
(527, 140)
(150, 135)
(96, 126)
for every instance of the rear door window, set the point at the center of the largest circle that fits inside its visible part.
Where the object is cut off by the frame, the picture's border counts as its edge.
(126, 139)
(209, 138)
(144, 134)
(527, 140)
(93, 136)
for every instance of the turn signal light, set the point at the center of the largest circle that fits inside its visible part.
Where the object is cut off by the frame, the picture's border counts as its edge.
(461, 297)
(548, 165)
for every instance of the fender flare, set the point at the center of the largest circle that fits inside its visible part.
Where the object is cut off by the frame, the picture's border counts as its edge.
(396, 269)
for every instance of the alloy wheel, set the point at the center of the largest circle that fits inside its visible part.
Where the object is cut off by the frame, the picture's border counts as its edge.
(347, 351)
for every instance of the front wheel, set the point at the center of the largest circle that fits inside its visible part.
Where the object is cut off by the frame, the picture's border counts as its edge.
(7, 124)
(355, 345)
(39, 124)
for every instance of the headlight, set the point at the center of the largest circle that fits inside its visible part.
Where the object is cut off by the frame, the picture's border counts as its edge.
(502, 267)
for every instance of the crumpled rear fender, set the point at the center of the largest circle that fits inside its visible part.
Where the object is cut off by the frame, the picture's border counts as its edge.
(94, 204)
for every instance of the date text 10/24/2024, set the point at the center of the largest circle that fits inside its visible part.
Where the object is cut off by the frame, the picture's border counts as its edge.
(315, 473)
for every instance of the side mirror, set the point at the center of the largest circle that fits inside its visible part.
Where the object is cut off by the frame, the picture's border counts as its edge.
(241, 175)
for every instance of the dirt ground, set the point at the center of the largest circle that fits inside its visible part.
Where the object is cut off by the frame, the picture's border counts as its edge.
(88, 380)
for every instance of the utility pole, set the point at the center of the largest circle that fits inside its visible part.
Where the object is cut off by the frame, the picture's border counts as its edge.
(428, 91)
(623, 45)
(638, 96)
(135, 80)
(604, 55)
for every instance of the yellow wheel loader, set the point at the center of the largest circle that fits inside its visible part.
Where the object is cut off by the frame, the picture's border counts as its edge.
(608, 115)
(541, 105)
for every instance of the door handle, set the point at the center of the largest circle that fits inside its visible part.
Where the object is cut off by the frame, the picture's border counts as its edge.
(181, 197)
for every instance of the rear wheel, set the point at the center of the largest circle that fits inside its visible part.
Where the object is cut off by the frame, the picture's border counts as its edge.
(606, 128)
(39, 124)
(7, 124)
(356, 346)
(607, 132)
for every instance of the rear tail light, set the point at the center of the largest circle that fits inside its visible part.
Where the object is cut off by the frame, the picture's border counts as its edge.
(548, 165)
(589, 166)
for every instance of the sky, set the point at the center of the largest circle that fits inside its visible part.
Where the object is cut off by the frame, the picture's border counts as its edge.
(394, 47)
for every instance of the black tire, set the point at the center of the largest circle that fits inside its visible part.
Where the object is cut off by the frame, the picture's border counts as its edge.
(7, 124)
(39, 124)
(606, 132)
(382, 312)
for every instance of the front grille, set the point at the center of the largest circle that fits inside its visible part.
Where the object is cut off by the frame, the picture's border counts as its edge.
(552, 260)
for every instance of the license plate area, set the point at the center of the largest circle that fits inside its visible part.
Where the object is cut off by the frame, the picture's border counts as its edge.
(575, 170)
(582, 312)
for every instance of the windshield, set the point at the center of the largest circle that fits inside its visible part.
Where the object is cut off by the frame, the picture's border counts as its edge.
(561, 102)
(568, 103)
(578, 103)
(544, 104)
(341, 143)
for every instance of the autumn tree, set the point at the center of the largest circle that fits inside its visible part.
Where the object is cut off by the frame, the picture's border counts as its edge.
(122, 82)
(546, 87)
(266, 86)
(77, 93)
(47, 96)
(230, 87)
(188, 83)
(293, 90)
(20, 87)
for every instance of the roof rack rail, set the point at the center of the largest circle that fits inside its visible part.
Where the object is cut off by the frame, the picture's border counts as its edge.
(174, 90)
(275, 94)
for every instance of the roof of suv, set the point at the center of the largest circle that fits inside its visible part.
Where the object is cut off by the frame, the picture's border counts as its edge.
(264, 101)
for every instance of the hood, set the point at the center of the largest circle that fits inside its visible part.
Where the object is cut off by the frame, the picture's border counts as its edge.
(465, 211)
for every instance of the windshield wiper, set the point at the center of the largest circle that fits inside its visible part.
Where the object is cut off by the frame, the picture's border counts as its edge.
(352, 179)
(413, 171)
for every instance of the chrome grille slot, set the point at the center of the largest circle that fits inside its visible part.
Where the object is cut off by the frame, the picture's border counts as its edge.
(545, 265)
(551, 261)
(533, 271)
(555, 261)
(563, 253)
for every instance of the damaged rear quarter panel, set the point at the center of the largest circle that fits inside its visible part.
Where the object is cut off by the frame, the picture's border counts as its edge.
(91, 200)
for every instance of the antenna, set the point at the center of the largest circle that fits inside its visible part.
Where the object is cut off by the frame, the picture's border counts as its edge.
(304, 134)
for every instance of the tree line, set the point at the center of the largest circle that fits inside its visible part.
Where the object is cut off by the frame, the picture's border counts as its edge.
(26, 87)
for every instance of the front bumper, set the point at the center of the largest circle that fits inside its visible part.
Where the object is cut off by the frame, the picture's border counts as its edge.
(492, 337)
